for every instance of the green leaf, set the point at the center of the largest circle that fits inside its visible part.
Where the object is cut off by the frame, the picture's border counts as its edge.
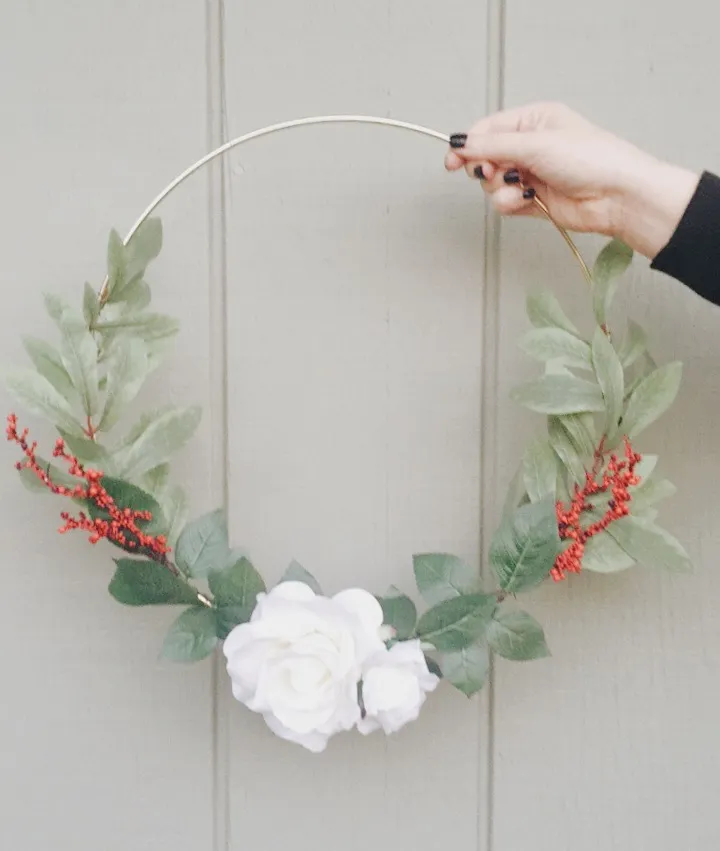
(159, 441)
(144, 422)
(155, 480)
(147, 583)
(399, 612)
(651, 398)
(580, 429)
(544, 311)
(440, 576)
(235, 589)
(127, 370)
(559, 394)
(612, 261)
(144, 246)
(457, 623)
(565, 449)
(192, 637)
(56, 307)
(174, 505)
(466, 669)
(603, 554)
(517, 636)
(516, 492)
(634, 344)
(297, 573)
(135, 297)
(556, 344)
(651, 493)
(79, 355)
(524, 548)
(147, 326)
(58, 476)
(39, 397)
(610, 377)
(539, 469)
(127, 495)
(116, 265)
(47, 361)
(649, 544)
(91, 305)
(87, 451)
(203, 545)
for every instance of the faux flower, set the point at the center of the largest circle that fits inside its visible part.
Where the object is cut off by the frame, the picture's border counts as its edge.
(394, 687)
(299, 660)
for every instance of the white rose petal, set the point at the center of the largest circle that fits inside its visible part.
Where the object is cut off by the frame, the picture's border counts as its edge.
(299, 660)
(394, 687)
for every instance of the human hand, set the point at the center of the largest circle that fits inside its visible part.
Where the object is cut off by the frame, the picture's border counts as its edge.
(589, 179)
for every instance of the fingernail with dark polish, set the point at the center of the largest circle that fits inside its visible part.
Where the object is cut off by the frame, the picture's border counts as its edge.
(529, 193)
(512, 176)
(457, 140)
(478, 172)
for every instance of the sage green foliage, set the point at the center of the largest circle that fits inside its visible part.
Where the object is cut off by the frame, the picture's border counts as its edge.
(235, 589)
(597, 387)
(192, 637)
(399, 612)
(148, 583)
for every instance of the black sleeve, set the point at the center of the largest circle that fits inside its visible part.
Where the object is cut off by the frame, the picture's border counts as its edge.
(693, 253)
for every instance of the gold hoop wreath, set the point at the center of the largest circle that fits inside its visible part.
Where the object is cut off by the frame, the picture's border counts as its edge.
(583, 498)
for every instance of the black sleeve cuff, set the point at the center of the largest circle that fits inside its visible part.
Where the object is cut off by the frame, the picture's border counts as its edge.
(693, 253)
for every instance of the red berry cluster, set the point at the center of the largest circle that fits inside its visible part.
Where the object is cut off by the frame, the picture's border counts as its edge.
(618, 477)
(121, 527)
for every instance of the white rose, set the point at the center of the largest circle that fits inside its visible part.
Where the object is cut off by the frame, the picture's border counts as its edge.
(299, 660)
(394, 687)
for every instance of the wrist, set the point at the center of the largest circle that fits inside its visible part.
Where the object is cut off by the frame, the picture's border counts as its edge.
(651, 205)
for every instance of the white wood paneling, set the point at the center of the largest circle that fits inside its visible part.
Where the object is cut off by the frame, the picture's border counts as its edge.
(613, 742)
(355, 292)
(102, 747)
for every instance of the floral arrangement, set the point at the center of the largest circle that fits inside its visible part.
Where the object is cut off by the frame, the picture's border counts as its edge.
(583, 498)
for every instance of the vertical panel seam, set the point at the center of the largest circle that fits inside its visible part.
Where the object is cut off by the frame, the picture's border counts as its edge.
(216, 133)
(495, 66)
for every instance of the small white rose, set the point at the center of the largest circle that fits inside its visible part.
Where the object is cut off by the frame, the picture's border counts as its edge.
(394, 687)
(299, 660)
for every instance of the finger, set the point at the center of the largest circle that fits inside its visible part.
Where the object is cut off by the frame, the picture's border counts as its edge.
(510, 201)
(481, 171)
(453, 162)
(523, 149)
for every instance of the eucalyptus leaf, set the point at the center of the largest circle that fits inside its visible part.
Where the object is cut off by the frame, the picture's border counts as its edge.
(539, 470)
(203, 545)
(516, 493)
(155, 480)
(544, 311)
(580, 428)
(610, 377)
(612, 261)
(603, 554)
(466, 669)
(441, 576)
(517, 636)
(235, 589)
(457, 623)
(37, 395)
(79, 355)
(174, 504)
(135, 297)
(565, 449)
(548, 344)
(47, 361)
(297, 573)
(88, 451)
(559, 394)
(91, 306)
(525, 546)
(160, 440)
(57, 476)
(192, 637)
(116, 265)
(147, 419)
(651, 398)
(649, 544)
(652, 492)
(127, 370)
(147, 583)
(56, 307)
(399, 612)
(634, 344)
(144, 246)
(147, 326)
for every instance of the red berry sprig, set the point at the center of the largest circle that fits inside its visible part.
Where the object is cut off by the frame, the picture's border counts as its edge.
(617, 478)
(121, 527)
